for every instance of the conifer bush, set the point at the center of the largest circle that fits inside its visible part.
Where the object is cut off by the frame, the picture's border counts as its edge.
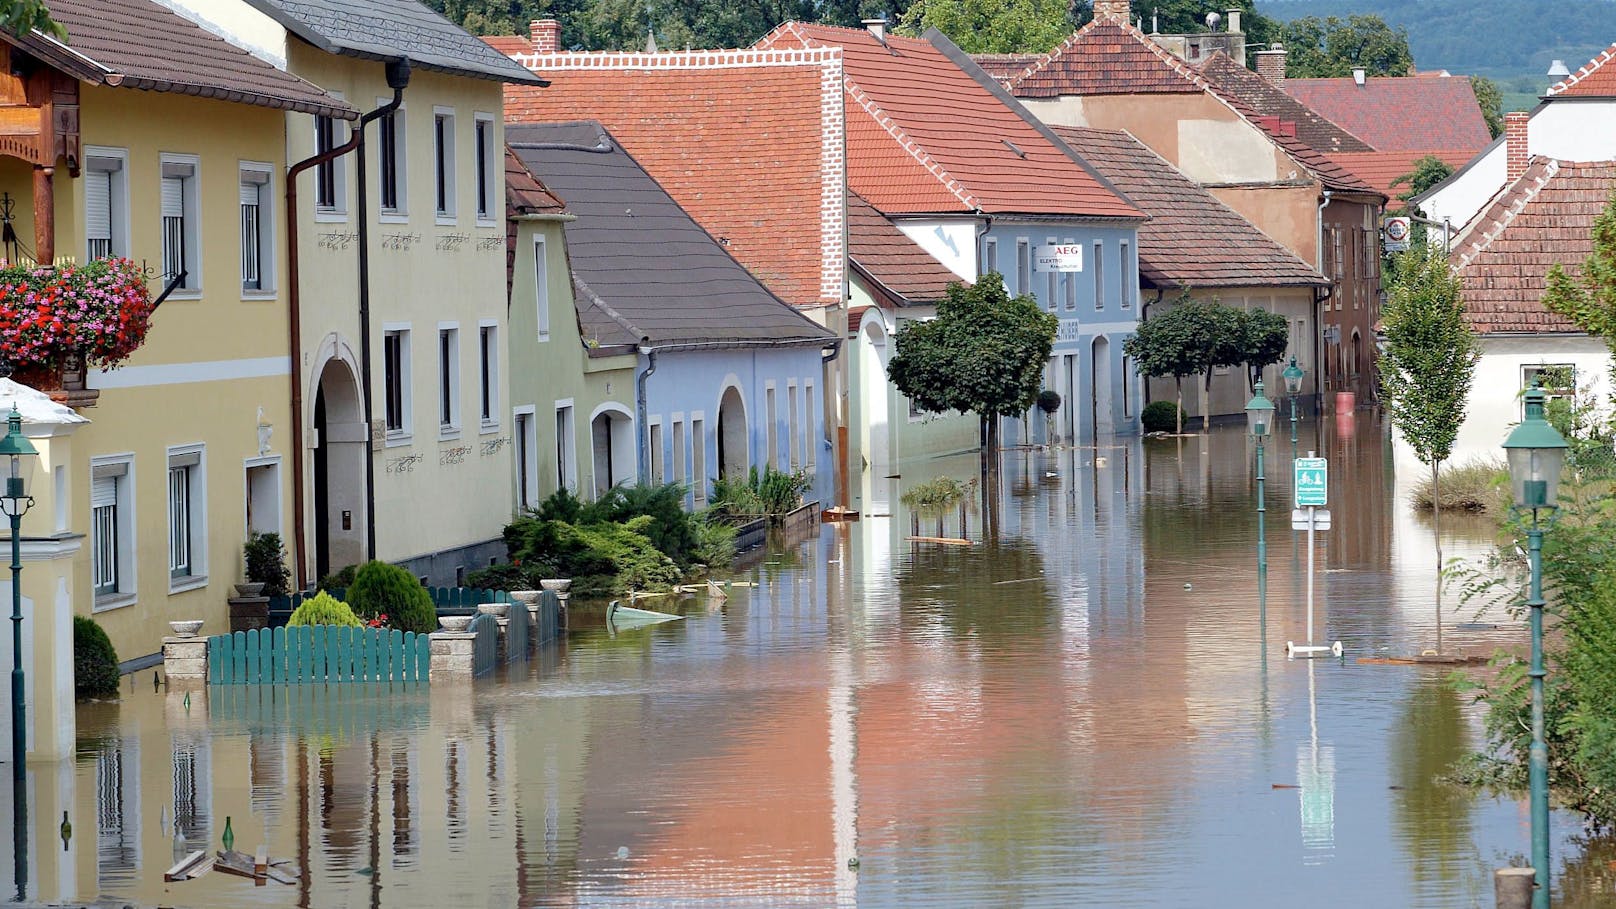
(95, 662)
(380, 589)
(324, 609)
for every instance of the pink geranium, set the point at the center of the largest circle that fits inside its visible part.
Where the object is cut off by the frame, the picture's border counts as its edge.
(101, 310)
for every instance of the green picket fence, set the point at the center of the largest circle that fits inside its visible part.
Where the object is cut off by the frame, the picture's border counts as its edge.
(485, 649)
(317, 653)
(442, 597)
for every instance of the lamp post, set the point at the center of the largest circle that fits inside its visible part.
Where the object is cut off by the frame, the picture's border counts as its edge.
(1536, 452)
(1260, 420)
(15, 503)
(1293, 376)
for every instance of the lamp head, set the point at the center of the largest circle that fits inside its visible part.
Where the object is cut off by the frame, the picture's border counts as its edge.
(1260, 413)
(1293, 378)
(1536, 453)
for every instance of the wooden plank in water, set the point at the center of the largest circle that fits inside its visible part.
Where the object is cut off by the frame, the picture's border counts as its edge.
(186, 867)
(236, 863)
(1430, 659)
(946, 541)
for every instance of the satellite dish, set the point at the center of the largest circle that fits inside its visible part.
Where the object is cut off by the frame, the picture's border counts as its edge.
(1212, 20)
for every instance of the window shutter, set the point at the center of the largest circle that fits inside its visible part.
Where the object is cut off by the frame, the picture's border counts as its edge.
(104, 491)
(98, 204)
(249, 192)
(185, 459)
(173, 197)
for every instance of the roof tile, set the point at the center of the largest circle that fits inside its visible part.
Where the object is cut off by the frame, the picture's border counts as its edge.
(1268, 100)
(1382, 169)
(1106, 58)
(1593, 80)
(887, 256)
(1400, 113)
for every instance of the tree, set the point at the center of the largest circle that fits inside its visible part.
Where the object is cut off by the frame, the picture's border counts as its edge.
(1172, 343)
(1263, 339)
(984, 354)
(1333, 47)
(1427, 365)
(1491, 102)
(993, 26)
(1589, 300)
(22, 16)
(1428, 172)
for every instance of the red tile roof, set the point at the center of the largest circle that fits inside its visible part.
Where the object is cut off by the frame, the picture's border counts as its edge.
(1593, 80)
(1006, 67)
(886, 256)
(1400, 114)
(524, 195)
(1191, 239)
(509, 45)
(1268, 100)
(980, 148)
(1382, 169)
(1542, 219)
(738, 138)
(1106, 58)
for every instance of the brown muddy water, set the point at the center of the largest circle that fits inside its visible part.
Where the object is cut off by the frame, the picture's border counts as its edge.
(1085, 713)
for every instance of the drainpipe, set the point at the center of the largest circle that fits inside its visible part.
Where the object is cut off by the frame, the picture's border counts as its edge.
(1144, 316)
(294, 329)
(643, 437)
(398, 77)
(1318, 329)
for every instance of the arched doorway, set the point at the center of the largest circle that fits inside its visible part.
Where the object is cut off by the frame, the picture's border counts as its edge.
(732, 434)
(340, 448)
(873, 396)
(1100, 391)
(611, 434)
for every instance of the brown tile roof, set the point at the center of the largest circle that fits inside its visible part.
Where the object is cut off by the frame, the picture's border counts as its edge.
(886, 256)
(1268, 100)
(139, 44)
(1593, 80)
(734, 136)
(979, 147)
(1106, 58)
(1006, 67)
(524, 195)
(1542, 219)
(509, 45)
(1191, 239)
(1400, 113)
(1381, 169)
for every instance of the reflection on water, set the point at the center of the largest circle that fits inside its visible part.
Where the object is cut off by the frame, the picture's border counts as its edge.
(1081, 708)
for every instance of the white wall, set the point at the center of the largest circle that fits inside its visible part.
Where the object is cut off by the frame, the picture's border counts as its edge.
(238, 23)
(1494, 404)
(951, 242)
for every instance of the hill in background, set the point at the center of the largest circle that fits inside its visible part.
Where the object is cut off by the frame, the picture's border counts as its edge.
(1510, 41)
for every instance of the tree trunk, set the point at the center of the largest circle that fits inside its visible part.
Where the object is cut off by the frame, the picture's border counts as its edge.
(1436, 514)
(1206, 403)
(1178, 415)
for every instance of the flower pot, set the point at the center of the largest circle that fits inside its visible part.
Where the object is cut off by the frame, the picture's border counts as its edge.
(250, 589)
(187, 628)
(558, 585)
(497, 610)
(454, 624)
(526, 597)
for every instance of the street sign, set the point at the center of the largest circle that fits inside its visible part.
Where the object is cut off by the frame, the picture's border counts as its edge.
(1312, 481)
(1321, 518)
(1397, 234)
(1063, 257)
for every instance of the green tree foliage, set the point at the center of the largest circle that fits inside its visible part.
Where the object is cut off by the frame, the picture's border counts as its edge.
(380, 589)
(1428, 172)
(20, 16)
(1333, 46)
(324, 609)
(1491, 101)
(984, 354)
(95, 662)
(769, 492)
(623, 24)
(265, 556)
(1162, 416)
(1589, 300)
(1172, 343)
(993, 26)
(672, 529)
(1262, 338)
(600, 558)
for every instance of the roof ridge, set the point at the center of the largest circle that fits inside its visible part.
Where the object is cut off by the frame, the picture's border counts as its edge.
(1588, 69)
(1512, 208)
(692, 59)
(611, 313)
(1173, 63)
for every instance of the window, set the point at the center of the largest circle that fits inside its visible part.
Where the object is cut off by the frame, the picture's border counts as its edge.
(772, 435)
(1127, 386)
(566, 449)
(112, 506)
(1338, 266)
(179, 211)
(488, 376)
(1559, 380)
(1023, 267)
(1069, 283)
(396, 380)
(330, 178)
(390, 151)
(656, 454)
(443, 162)
(698, 449)
(679, 475)
(1051, 288)
(1099, 274)
(810, 445)
(793, 427)
(485, 148)
(187, 517)
(106, 203)
(1130, 283)
(527, 491)
(990, 255)
(541, 277)
(448, 378)
(257, 230)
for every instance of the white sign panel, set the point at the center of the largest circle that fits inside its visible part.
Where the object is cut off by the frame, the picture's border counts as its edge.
(1058, 257)
(1397, 234)
(1299, 517)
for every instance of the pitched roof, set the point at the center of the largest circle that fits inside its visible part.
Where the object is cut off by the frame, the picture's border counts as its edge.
(392, 29)
(509, 45)
(739, 138)
(1542, 219)
(1382, 169)
(1106, 58)
(525, 196)
(139, 44)
(1400, 113)
(886, 256)
(1191, 239)
(1005, 67)
(984, 150)
(1268, 100)
(644, 270)
(1593, 80)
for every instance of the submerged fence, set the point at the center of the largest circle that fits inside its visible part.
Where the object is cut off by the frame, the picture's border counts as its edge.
(485, 650)
(317, 653)
(442, 597)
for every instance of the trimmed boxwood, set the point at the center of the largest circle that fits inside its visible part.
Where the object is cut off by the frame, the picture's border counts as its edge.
(95, 662)
(323, 609)
(1160, 416)
(380, 589)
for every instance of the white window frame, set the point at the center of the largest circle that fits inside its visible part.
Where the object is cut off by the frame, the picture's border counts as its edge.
(1051, 284)
(525, 456)
(485, 182)
(194, 459)
(1130, 282)
(399, 211)
(188, 169)
(247, 466)
(676, 442)
(653, 435)
(541, 281)
(447, 360)
(1023, 266)
(566, 436)
(698, 456)
(114, 162)
(810, 444)
(771, 432)
(341, 131)
(126, 589)
(990, 255)
(444, 141)
(793, 427)
(488, 365)
(405, 430)
(1099, 275)
(262, 175)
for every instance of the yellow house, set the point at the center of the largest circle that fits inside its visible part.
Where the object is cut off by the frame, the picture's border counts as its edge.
(144, 136)
(402, 384)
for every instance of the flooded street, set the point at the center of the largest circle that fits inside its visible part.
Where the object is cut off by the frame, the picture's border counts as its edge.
(1086, 713)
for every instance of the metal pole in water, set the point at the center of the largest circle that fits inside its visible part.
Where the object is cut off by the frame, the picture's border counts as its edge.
(1538, 759)
(1262, 541)
(1312, 513)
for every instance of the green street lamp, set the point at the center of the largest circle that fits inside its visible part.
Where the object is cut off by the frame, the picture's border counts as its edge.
(1260, 420)
(1536, 452)
(15, 503)
(1293, 376)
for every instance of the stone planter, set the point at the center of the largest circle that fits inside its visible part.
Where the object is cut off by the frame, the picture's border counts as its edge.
(247, 613)
(526, 597)
(455, 624)
(250, 589)
(497, 610)
(187, 628)
(559, 585)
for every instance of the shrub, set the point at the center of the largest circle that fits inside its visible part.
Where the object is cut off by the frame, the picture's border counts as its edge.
(1162, 416)
(503, 577)
(671, 529)
(562, 505)
(266, 563)
(95, 662)
(324, 609)
(1049, 400)
(936, 497)
(341, 579)
(771, 492)
(715, 541)
(1476, 485)
(380, 589)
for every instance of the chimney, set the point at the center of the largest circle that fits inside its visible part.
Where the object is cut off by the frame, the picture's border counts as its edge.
(1115, 11)
(878, 29)
(546, 35)
(1358, 76)
(1234, 20)
(1515, 148)
(1271, 64)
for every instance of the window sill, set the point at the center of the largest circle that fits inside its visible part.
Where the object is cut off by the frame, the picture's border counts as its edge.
(444, 220)
(544, 336)
(259, 296)
(331, 216)
(394, 217)
(448, 433)
(485, 221)
(183, 294)
(190, 582)
(110, 601)
(488, 426)
(398, 439)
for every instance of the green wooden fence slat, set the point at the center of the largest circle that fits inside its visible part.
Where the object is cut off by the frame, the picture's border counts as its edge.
(250, 657)
(215, 652)
(395, 644)
(317, 653)
(238, 656)
(367, 638)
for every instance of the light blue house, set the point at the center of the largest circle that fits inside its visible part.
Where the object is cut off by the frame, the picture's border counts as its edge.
(726, 375)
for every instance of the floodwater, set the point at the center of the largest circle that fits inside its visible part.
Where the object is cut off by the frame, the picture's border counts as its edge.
(1086, 713)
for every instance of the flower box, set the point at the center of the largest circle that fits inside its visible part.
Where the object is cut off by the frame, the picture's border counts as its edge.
(57, 321)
